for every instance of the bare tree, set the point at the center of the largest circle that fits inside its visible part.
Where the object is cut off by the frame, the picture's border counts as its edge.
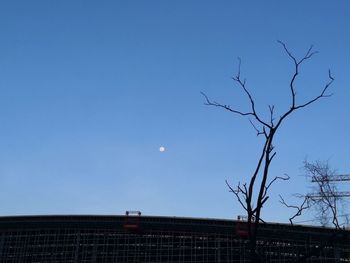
(252, 195)
(325, 199)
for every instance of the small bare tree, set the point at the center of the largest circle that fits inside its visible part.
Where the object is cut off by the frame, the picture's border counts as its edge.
(325, 199)
(252, 195)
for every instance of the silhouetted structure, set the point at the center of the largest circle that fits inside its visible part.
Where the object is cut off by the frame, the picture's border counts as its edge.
(135, 238)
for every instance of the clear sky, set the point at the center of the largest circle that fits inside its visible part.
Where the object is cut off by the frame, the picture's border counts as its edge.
(89, 91)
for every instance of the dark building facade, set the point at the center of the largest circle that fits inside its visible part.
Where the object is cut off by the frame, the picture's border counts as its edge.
(135, 238)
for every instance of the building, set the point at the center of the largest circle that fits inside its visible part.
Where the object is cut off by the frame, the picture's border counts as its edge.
(136, 238)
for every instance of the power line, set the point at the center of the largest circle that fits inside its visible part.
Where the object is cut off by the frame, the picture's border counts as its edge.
(324, 179)
(331, 178)
(329, 194)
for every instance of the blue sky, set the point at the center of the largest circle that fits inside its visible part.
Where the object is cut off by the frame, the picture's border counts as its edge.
(89, 91)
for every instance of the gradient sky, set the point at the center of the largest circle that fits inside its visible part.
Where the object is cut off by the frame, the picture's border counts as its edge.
(89, 91)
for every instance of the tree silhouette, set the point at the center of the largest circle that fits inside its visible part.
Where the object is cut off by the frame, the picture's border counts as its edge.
(252, 195)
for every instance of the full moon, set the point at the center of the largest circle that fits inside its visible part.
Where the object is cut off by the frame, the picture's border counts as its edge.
(162, 149)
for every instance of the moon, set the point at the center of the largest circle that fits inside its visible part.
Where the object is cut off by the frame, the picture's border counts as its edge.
(162, 149)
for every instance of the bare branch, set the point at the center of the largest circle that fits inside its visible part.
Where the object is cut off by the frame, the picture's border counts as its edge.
(226, 107)
(258, 132)
(299, 209)
(308, 55)
(285, 178)
(242, 84)
(322, 94)
(238, 76)
(271, 109)
(236, 193)
(287, 51)
(272, 156)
